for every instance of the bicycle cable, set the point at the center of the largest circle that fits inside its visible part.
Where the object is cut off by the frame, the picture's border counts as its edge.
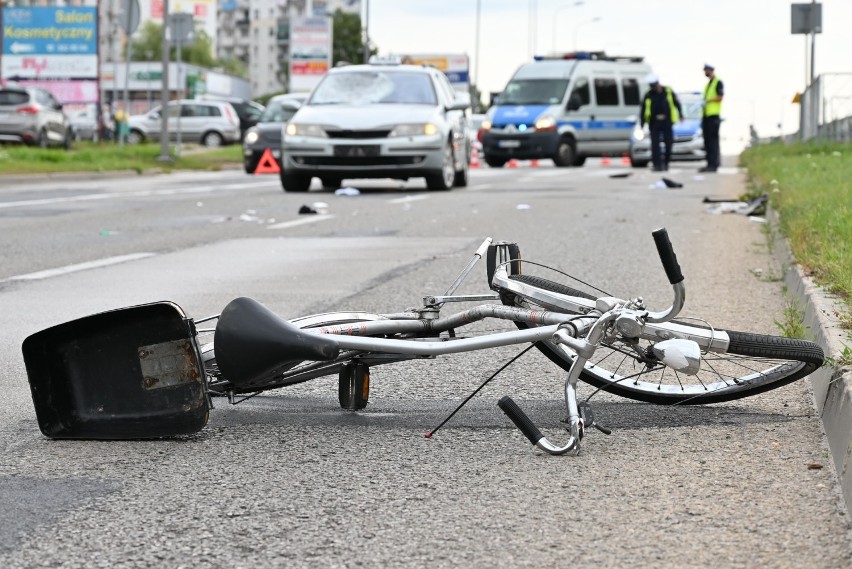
(469, 397)
(555, 270)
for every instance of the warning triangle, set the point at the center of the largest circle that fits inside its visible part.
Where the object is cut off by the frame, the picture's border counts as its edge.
(268, 164)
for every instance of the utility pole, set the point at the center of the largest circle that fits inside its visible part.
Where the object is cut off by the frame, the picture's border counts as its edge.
(366, 31)
(164, 92)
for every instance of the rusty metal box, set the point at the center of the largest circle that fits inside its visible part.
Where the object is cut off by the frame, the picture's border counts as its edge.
(129, 373)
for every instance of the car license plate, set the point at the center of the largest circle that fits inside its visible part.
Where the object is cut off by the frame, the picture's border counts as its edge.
(509, 143)
(356, 151)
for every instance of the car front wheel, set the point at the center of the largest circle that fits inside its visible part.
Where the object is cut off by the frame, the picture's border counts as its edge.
(443, 179)
(295, 182)
(135, 137)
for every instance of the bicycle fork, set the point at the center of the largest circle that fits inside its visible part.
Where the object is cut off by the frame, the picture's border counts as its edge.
(570, 340)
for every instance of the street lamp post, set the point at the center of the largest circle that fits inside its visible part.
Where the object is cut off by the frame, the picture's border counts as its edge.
(578, 26)
(556, 19)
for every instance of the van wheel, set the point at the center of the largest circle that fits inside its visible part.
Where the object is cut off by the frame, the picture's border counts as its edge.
(495, 162)
(579, 161)
(566, 155)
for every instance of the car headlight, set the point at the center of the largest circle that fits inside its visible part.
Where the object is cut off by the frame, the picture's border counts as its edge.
(314, 130)
(638, 133)
(545, 123)
(699, 133)
(414, 129)
(251, 137)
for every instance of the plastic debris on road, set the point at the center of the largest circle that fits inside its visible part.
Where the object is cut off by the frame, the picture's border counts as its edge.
(348, 191)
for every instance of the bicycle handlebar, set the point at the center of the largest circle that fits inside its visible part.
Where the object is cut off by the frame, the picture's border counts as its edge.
(667, 255)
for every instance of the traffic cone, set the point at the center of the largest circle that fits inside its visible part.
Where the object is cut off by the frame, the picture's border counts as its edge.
(533, 163)
(474, 158)
(625, 159)
(512, 163)
(605, 160)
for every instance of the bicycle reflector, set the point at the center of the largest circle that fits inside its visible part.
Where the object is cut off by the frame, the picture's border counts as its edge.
(681, 355)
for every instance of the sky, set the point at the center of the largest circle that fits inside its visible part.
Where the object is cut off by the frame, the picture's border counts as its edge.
(761, 63)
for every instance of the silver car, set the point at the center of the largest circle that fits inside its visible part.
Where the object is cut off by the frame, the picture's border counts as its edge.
(210, 123)
(31, 115)
(380, 120)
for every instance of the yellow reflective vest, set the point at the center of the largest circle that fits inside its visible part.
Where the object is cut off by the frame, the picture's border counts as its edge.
(673, 109)
(712, 109)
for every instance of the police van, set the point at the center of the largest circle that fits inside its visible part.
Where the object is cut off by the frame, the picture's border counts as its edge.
(566, 108)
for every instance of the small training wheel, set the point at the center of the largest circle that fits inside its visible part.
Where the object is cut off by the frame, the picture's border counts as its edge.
(353, 389)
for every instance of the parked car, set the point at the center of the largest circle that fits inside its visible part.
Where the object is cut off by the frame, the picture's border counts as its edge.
(84, 125)
(211, 123)
(379, 120)
(31, 115)
(688, 140)
(248, 111)
(266, 134)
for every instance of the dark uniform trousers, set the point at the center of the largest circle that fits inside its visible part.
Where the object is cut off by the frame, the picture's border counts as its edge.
(710, 127)
(661, 132)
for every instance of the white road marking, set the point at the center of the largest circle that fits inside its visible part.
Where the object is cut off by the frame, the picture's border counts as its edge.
(478, 187)
(78, 267)
(406, 199)
(137, 194)
(303, 221)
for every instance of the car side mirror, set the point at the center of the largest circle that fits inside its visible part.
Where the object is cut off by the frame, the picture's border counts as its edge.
(458, 106)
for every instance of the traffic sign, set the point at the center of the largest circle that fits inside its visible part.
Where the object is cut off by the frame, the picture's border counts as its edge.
(129, 19)
(181, 28)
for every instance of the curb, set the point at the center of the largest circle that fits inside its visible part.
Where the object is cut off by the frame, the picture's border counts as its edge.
(832, 386)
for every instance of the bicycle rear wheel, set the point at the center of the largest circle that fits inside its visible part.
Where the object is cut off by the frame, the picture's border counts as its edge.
(751, 363)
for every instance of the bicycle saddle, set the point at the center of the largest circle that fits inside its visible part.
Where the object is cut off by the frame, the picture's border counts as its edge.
(252, 342)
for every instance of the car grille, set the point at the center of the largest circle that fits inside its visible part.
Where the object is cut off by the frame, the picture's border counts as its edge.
(358, 133)
(683, 138)
(358, 161)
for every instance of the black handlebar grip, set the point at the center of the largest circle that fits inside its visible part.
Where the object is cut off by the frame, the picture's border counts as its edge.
(667, 255)
(511, 409)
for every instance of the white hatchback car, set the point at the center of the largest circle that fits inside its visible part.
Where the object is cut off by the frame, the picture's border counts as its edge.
(211, 123)
(380, 120)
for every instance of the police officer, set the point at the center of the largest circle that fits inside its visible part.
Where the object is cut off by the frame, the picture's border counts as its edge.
(660, 110)
(710, 121)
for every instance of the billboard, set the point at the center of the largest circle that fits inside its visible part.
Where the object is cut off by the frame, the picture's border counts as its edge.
(53, 47)
(310, 52)
(454, 65)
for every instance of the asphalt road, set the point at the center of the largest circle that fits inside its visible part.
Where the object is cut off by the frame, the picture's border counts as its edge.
(287, 479)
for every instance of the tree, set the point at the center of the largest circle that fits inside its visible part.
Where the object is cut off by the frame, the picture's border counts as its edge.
(147, 46)
(347, 44)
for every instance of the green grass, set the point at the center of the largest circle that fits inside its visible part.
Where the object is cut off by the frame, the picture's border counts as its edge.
(104, 157)
(810, 186)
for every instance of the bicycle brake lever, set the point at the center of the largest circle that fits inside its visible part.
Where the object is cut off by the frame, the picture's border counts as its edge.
(589, 417)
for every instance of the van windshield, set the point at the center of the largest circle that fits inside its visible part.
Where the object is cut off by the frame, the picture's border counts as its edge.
(534, 92)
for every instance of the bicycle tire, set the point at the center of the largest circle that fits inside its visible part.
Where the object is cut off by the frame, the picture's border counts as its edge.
(767, 362)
